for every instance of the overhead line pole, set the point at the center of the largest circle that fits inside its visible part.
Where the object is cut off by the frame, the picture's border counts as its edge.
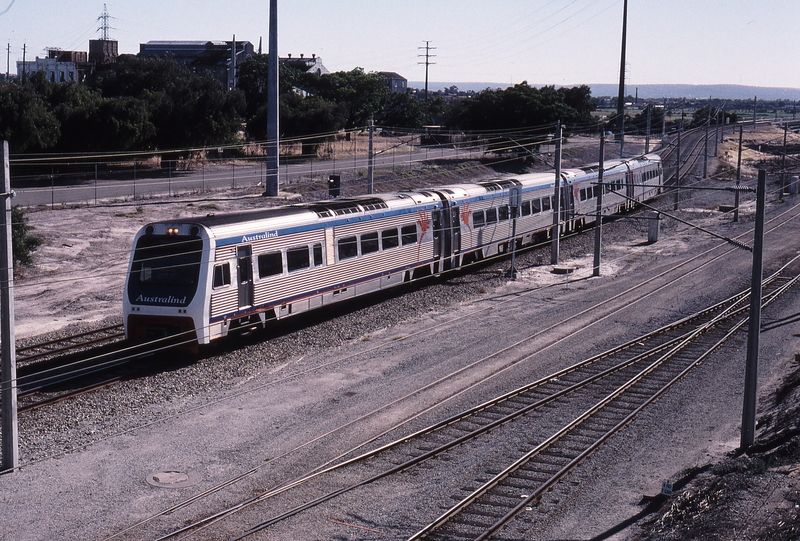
(272, 181)
(598, 223)
(8, 366)
(621, 96)
(556, 234)
(754, 323)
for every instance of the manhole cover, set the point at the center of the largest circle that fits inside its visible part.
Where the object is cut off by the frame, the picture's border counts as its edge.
(563, 269)
(170, 479)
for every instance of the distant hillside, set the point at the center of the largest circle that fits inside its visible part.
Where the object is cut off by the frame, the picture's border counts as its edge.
(730, 92)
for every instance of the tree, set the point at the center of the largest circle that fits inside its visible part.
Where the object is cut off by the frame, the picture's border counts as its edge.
(639, 121)
(26, 120)
(23, 243)
(521, 106)
(403, 111)
(184, 109)
(360, 94)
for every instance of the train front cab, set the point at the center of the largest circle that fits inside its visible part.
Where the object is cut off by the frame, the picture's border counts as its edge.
(162, 285)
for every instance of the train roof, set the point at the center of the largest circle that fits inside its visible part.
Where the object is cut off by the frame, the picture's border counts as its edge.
(330, 209)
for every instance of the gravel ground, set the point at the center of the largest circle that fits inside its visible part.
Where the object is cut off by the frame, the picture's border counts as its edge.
(687, 432)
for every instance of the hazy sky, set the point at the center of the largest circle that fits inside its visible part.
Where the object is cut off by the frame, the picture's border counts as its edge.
(562, 42)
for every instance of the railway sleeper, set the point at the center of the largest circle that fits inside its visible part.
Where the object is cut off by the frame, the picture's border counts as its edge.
(500, 496)
(467, 519)
(537, 472)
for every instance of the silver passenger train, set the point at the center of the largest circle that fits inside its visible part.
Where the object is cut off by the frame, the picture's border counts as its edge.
(203, 278)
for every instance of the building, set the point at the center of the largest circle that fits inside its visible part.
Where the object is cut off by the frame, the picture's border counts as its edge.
(395, 81)
(103, 51)
(59, 66)
(304, 64)
(203, 56)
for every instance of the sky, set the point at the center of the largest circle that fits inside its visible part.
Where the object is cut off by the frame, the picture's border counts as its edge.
(560, 42)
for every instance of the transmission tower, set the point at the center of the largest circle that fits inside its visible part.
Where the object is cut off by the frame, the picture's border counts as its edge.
(104, 28)
(427, 62)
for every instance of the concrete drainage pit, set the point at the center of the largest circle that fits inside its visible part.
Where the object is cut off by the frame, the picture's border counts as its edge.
(170, 479)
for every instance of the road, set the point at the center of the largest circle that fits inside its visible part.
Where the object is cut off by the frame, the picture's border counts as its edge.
(217, 176)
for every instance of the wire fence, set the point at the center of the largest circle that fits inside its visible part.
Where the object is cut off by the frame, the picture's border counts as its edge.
(71, 180)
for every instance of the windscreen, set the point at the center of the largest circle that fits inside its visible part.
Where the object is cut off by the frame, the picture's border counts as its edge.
(165, 270)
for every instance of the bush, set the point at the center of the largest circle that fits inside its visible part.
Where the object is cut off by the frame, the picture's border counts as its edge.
(23, 243)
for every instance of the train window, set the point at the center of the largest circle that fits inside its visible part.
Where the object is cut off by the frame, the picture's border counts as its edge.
(369, 243)
(297, 258)
(389, 238)
(503, 212)
(546, 203)
(478, 219)
(348, 247)
(222, 275)
(270, 264)
(525, 209)
(408, 234)
(491, 216)
(536, 206)
(317, 248)
(582, 195)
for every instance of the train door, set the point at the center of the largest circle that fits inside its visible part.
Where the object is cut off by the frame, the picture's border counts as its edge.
(244, 255)
(567, 206)
(630, 189)
(446, 237)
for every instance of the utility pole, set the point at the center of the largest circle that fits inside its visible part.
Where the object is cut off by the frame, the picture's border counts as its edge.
(783, 159)
(371, 158)
(427, 62)
(647, 136)
(678, 171)
(754, 321)
(598, 223)
(271, 183)
(621, 95)
(232, 81)
(705, 143)
(755, 109)
(556, 234)
(738, 177)
(8, 366)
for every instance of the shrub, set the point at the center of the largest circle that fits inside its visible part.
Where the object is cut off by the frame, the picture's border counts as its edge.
(23, 243)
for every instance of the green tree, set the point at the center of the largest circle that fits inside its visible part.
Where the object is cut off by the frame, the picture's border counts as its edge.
(639, 121)
(185, 109)
(403, 111)
(27, 121)
(253, 82)
(360, 94)
(23, 243)
(520, 106)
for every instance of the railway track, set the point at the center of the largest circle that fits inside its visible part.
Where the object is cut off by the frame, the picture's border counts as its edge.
(604, 393)
(76, 342)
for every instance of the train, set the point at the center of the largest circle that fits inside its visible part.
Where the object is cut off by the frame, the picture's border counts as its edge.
(197, 280)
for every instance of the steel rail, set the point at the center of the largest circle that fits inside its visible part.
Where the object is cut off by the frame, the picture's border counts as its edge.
(110, 333)
(430, 531)
(736, 304)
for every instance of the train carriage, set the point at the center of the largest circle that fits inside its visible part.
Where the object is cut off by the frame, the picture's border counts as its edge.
(199, 279)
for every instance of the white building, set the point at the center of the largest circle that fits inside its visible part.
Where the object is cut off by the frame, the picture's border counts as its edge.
(55, 71)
